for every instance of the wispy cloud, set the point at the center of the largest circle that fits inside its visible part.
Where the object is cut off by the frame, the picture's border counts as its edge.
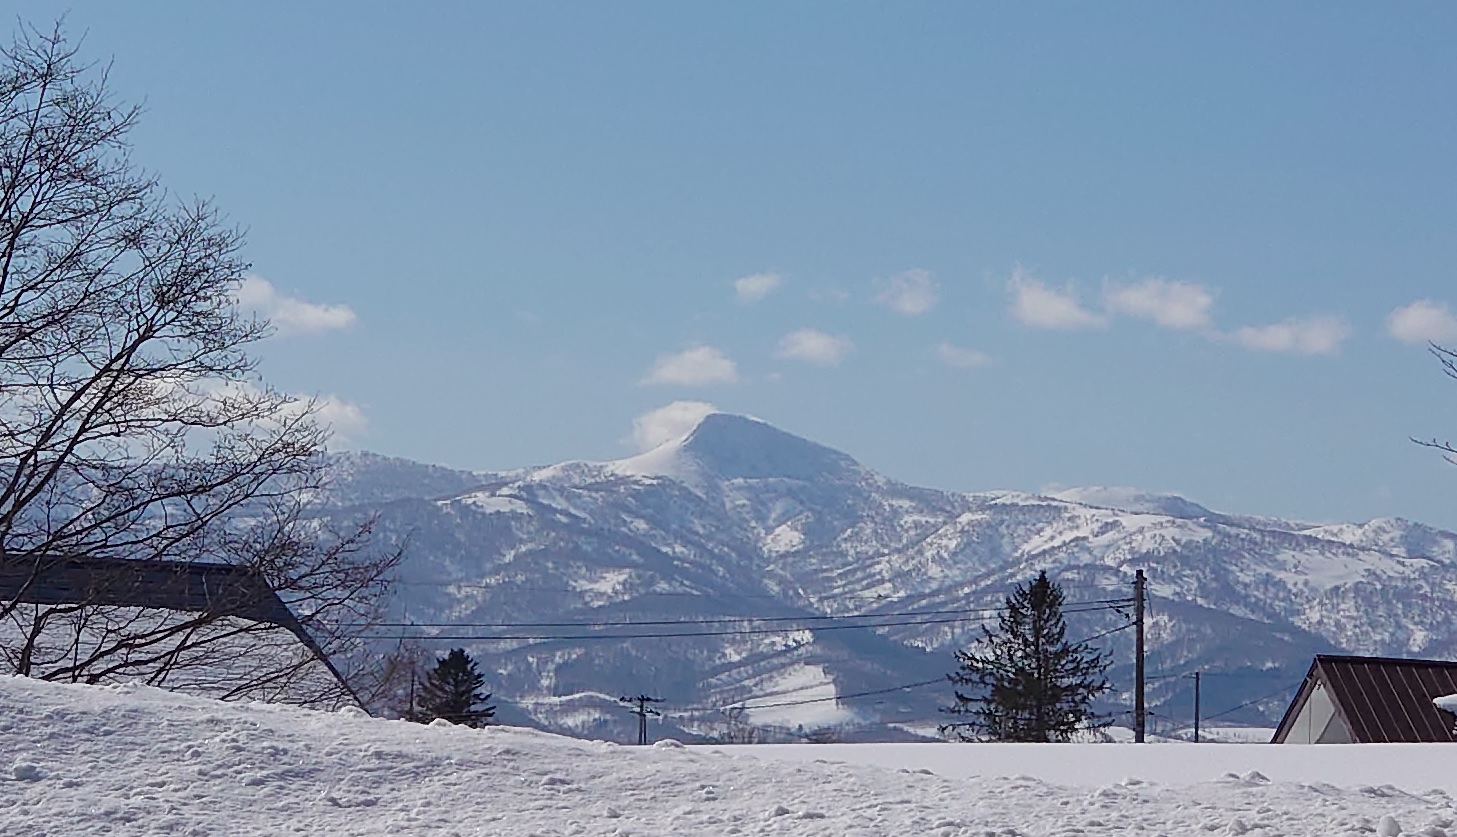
(911, 293)
(757, 286)
(1039, 306)
(695, 367)
(959, 358)
(1317, 335)
(667, 423)
(1184, 306)
(1423, 321)
(814, 346)
(345, 419)
(291, 315)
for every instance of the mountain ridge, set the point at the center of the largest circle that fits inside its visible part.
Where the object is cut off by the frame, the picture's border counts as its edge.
(736, 519)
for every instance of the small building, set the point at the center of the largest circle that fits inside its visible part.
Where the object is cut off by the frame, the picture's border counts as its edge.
(1370, 700)
(150, 597)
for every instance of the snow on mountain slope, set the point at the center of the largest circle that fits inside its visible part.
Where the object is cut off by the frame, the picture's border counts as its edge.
(738, 522)
(1133, 500)
(132, 760)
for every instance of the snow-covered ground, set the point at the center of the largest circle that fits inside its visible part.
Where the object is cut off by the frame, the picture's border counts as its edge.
(132, 760)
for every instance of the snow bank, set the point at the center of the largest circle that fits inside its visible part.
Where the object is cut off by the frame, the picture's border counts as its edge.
(132, 760)
(1411, 767)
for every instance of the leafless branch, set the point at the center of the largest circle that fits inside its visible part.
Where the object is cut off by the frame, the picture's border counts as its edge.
(133, 424)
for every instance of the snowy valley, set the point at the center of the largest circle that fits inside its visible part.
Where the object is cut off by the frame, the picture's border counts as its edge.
(804, 577)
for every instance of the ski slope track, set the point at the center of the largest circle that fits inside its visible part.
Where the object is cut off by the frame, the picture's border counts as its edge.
(133, 760)
(739, 520)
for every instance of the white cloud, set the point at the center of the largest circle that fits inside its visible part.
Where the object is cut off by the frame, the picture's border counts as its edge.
(813, 346)
(291, 315)
(667, 423)
(344, 419)
(694, 367)
(757, 286)
(269, 408)
(1034, 304)
(1318, 335)
(1423, 321)
(911, 293)
(959, 358)
(1171, 304)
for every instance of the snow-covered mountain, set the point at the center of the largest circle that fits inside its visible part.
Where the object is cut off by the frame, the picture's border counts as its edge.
(765, 545)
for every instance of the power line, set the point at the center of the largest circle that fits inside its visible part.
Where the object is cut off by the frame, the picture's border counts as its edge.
(702, 594)
(1104, 633)
(656, 622)
(663, 635)
(480, 637)
(872, 692)
(1076, 607)
(806, 701)
(1191, 673)
(1248, 703)
(850, 696)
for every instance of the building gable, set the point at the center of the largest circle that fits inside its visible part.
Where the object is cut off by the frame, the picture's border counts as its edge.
(1370, 700)
(230, 594)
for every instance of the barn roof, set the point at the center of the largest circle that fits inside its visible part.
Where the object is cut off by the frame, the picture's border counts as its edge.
(172, 585)
(1381, 699)
(197, 586)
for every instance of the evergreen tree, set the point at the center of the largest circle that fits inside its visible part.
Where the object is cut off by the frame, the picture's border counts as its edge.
(1024, 681)
(452, 690)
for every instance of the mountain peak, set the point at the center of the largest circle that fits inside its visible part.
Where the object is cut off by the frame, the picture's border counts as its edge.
(739, 447)
(725, 446)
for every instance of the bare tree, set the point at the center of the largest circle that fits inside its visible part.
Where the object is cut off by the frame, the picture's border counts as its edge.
(1448, 358)
(133, 424)
(737, 729)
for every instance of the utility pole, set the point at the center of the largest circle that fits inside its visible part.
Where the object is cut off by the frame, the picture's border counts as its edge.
(1139, 713)
(1196, 706)
(414, 713)
(642, 711)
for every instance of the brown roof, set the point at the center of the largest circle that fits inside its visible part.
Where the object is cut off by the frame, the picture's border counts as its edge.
(1382, 699)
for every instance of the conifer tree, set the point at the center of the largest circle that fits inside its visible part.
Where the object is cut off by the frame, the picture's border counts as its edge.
(1024, 681)
(452, 691)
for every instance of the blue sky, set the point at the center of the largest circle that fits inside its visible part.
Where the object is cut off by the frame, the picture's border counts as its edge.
(977, 246)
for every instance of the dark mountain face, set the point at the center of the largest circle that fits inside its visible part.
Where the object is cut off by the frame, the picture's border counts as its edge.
(739, 522)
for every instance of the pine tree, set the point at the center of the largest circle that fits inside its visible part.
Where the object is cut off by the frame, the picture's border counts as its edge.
(1024, 681)
(452, 691)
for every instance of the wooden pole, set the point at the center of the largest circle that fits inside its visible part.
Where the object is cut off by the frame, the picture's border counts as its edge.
(1196, 706)
(1140, 714)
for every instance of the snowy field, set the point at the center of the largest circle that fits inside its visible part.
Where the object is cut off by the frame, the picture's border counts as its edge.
(131, 760)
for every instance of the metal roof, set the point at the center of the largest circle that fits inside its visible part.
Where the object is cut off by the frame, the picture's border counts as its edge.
(1382, 699)
(171, 585)
(224, 589)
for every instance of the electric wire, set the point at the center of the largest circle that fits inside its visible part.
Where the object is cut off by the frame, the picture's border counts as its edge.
(967, 616)
(1073, 607)
(805, 701)
(1232, 710)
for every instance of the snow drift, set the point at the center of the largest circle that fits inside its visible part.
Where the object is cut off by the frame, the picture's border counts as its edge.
(129, 760)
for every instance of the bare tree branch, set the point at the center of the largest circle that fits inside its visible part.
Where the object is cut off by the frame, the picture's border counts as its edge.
(133, 424)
